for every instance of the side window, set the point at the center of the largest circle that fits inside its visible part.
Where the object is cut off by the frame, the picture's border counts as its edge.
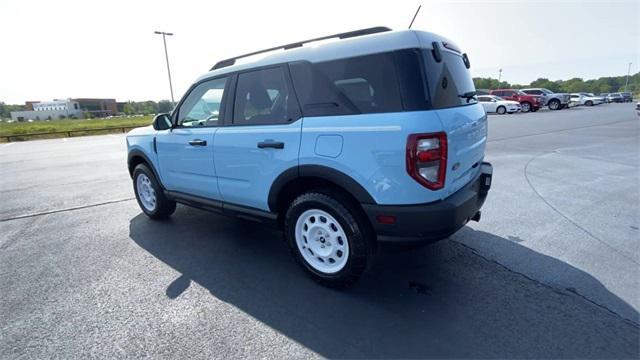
(263, 97)
(361, 84)
(369, 82)
(202, 105)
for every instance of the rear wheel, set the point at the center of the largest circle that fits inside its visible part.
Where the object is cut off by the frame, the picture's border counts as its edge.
(149, 194)
(554, 104)
(501, 110)
(329, 238)
(526, 107)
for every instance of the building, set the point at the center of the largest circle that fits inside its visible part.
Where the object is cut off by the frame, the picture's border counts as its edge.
(49, 110)
(98, 107)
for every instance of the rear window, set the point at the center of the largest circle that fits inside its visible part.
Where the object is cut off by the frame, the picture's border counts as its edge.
(448, 80)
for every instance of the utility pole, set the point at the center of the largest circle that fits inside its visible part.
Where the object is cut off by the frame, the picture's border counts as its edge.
(414, 16)
(627, 83)
(499, 74)
(166, 55)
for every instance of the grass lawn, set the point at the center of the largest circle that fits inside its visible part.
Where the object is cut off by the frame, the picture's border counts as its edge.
(43, 126)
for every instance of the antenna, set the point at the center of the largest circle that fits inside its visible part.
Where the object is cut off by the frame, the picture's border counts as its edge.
(414, 16)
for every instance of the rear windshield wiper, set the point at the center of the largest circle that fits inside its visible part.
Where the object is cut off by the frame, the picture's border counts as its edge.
(468, 95)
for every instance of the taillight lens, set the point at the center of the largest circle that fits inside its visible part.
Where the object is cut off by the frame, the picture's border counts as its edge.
(427, 159)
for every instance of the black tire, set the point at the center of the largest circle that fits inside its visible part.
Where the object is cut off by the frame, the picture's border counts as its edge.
(354, 224)
(554, 104)
(163, 206)
(589, 103)
(526, 107)
(501, 110)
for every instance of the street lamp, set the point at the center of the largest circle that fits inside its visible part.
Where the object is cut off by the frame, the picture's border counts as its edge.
(627, 83)
(164, 40)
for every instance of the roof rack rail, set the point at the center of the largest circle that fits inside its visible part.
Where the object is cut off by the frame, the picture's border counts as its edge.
(345, 35)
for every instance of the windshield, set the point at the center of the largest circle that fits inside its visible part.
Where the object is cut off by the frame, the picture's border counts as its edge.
(449, 81)
(546, 91)
(520, 92)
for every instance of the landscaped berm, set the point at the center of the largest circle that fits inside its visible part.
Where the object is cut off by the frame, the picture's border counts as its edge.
(21, 131)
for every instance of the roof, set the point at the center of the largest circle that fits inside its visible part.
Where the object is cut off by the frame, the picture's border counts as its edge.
(337, 49)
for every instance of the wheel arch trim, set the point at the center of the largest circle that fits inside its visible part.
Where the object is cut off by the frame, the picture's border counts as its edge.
(139, 153)
(321, 172)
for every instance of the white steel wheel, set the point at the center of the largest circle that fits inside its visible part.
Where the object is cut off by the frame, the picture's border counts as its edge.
(146, 192)
(321, 241)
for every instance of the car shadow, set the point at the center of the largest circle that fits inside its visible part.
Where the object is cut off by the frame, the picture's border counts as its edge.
(441, 301)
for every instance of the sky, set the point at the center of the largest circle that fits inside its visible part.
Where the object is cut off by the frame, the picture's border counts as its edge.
(108, 49)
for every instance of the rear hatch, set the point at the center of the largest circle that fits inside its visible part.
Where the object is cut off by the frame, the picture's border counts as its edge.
(451, 92)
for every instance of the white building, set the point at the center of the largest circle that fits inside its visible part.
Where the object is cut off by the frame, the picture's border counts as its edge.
(50, 110)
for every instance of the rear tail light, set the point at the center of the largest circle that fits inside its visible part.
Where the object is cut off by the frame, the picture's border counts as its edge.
(427, 159)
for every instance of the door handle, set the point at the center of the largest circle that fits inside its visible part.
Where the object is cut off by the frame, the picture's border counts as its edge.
(198, 142)
(271, 144)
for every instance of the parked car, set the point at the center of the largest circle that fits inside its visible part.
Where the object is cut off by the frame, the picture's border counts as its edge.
(638, 108)
(343, 146)
(527, 102)
(627, 96)
(615, 98)
(605, 96)
(576, 99)
(591, 100)
(555, 101)
(496, 104)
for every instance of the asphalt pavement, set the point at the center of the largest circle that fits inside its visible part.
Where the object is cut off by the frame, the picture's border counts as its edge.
(551, 270)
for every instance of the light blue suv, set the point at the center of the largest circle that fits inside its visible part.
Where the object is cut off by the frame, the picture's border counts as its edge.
(374, 137)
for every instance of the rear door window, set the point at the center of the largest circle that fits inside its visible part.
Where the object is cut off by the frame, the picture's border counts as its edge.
(263, 97)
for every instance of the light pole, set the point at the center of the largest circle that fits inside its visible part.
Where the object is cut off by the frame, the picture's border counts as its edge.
(166, 55)
(627, 82)
(499, 74)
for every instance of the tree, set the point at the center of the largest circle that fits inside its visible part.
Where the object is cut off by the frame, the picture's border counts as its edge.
(165, 106)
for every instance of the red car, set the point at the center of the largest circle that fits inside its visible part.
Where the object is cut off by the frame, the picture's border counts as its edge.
(528, 102)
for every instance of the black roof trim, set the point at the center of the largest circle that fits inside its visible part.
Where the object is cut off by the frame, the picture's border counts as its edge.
(345, 35)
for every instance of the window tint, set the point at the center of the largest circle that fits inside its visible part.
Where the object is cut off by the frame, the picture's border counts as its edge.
(448, 80)
(263, 97)
(367, 82)
(202, 106)
(377, 83)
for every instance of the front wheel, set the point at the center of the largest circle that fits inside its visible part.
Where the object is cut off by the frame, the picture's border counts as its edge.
(501, 110)
(329, 238)
(589, 103)
(554, 104)
(149, 194)
(526, 107)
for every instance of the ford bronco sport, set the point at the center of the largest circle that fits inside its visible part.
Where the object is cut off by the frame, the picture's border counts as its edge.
(374, 137)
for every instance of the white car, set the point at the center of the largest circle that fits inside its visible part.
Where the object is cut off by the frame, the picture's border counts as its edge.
(585, 99)
(592, 99)
(496, 104)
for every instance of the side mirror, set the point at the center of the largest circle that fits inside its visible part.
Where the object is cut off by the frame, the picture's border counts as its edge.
(162, 122)
(494, 100)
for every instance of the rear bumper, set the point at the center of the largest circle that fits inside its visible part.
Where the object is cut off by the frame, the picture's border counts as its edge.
(434, 221)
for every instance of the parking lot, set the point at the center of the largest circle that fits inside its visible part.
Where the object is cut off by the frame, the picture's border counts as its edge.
(550, 271)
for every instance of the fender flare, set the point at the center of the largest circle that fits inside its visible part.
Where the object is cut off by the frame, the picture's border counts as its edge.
(322, 172)
(139, 153)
